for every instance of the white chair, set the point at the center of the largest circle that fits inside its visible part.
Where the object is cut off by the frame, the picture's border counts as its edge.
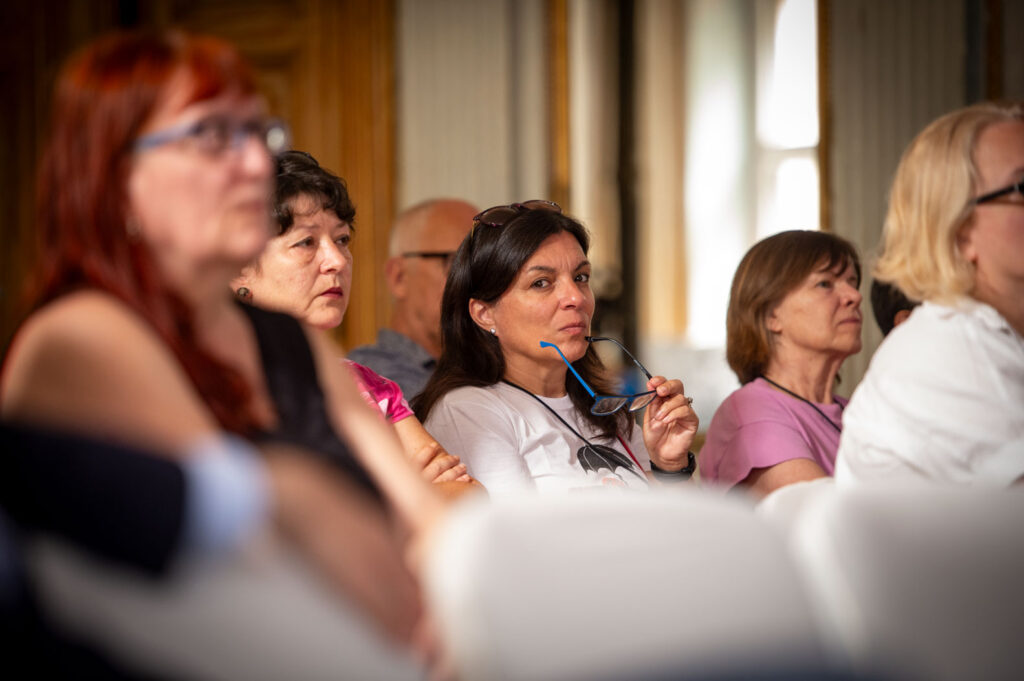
(258, 615)
(617, 587)
(785, 506)
(920, 582)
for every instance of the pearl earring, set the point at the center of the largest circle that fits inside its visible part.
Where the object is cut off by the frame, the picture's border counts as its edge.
(494, 331)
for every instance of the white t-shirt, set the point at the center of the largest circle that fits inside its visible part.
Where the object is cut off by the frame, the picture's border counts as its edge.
(943, 399)
(511, 443)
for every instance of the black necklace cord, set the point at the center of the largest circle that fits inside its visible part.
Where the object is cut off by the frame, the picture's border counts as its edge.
(566, 424)
(804, 399)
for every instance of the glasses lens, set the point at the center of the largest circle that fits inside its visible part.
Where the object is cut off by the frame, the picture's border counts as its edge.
(642, 400)
(277, 137)
(607, 405)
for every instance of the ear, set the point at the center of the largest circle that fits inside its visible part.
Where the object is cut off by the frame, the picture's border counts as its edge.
(772, 322)
(900, 317)
(965, 243)
(394, 275)
(242, 279)
(482, 313)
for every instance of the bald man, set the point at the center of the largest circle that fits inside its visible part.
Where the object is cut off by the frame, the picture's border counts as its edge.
(424, 239)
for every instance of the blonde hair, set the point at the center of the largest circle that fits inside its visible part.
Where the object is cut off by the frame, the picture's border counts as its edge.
(929, 204)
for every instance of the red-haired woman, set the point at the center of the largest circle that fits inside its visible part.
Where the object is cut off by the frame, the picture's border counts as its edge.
(155, 190)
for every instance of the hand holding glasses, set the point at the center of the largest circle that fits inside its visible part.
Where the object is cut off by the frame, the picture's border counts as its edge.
(609, 404)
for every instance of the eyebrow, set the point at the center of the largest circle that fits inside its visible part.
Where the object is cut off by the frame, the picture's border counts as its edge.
(548, 270)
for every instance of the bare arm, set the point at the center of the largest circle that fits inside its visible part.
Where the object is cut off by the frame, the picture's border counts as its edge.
(427, 454)
(346, 536)
(89, 364)
(763, 481)
(373, 441)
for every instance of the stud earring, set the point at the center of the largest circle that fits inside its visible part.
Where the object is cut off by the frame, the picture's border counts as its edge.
(243, 294)
(494, 332)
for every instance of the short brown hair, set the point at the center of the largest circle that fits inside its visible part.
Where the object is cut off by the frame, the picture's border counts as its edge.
(770, 270)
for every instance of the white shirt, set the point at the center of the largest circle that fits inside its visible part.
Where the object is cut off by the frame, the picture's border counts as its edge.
(511, 443)
(943, 399)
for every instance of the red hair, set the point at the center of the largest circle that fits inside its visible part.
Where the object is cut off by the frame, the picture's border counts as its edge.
(104, 96)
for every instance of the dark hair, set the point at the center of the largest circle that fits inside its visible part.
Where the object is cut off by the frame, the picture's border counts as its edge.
(104, 95)
(299, 174)
(886, 301)
(770, 270)
(485, 266)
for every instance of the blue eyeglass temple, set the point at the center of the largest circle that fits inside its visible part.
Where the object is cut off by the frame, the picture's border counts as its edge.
(545, 344)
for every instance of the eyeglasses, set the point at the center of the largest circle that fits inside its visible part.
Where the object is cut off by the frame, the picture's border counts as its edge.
(445, 257)
(215, 134)
(497, 216)
(1017, 188)
(609, 404)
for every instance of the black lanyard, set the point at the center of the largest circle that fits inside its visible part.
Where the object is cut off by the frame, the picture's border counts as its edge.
(804, 399)
(616, 457)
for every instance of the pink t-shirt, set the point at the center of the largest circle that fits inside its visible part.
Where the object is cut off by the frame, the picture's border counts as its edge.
(758, 426)
(380, 392)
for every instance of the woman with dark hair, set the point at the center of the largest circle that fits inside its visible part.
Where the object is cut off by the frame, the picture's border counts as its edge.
(154, 191)
(794, 317)
(306, 271)
(519, 393)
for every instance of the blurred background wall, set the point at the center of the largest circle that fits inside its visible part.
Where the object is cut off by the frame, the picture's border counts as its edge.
(679, 131)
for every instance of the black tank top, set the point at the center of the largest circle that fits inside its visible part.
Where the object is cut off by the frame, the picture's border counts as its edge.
(294, 387)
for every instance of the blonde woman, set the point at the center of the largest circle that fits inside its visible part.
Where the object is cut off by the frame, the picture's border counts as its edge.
(943, 398)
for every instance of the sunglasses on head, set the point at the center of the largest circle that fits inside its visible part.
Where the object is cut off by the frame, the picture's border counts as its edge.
(498, 216)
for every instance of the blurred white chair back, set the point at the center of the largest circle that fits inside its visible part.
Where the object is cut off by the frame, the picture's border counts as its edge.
(627, 586)
(920, 582)
(261, 614)
(785, 506)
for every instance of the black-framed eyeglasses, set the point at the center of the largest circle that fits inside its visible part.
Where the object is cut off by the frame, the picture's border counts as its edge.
(215, 134)
(609, 404)
(497, 216)
(445, 257)
(1017, 188)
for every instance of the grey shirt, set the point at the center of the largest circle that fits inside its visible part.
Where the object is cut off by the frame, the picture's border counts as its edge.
(399, 358)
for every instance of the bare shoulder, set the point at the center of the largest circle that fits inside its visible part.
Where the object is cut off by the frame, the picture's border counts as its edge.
(88, 362)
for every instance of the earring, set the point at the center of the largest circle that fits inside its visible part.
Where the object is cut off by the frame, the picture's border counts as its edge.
(243, 294)
(494, 332)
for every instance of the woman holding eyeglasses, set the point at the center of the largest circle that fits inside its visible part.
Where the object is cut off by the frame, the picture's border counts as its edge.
(794, 317)
(943, 399)
(519, 393)
(306, 271)
(154, 192)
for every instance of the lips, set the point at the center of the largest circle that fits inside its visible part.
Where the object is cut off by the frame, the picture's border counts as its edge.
(577, 327)
(334, 292)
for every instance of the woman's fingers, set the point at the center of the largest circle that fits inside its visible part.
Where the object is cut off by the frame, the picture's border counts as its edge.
(443, 467)
(457, 471)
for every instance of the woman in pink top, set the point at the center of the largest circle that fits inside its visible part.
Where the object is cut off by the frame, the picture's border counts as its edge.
(794, 317)
(306, 271)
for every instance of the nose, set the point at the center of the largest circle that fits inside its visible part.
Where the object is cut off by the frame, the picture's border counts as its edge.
(851, 295)
(570, 294)
(331, 257)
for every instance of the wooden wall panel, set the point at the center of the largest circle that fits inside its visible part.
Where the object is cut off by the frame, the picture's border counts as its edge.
(326, 66)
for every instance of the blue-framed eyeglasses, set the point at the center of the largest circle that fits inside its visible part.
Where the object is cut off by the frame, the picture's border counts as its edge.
(1016, 188)
(215, 134)
(609, 404)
